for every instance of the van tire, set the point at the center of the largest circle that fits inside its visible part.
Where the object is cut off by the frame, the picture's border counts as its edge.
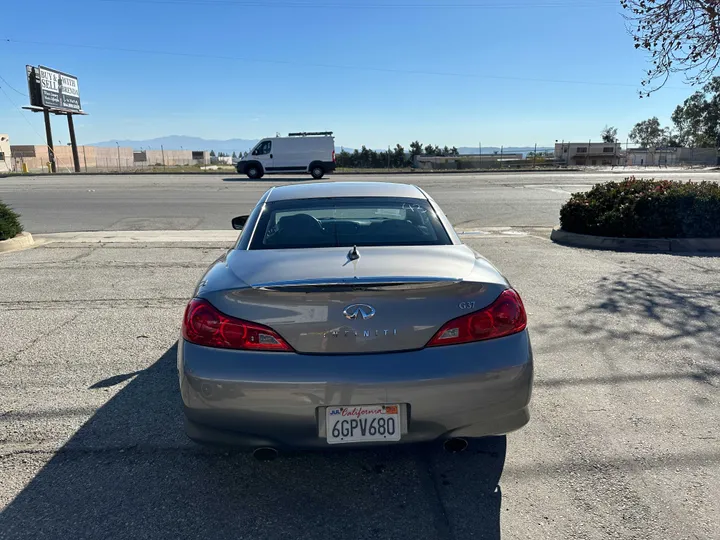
(254, 172)
(317, 172)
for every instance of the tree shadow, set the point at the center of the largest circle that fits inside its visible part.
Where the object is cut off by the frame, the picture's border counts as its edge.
(647, 311)
(130, 472)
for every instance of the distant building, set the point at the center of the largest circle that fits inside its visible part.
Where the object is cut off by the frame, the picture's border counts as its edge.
(5, 155)
(468, 161)
(589, 154)
(652, 157)
(671, 156)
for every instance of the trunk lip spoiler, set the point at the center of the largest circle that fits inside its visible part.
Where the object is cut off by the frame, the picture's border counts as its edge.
(320, 282)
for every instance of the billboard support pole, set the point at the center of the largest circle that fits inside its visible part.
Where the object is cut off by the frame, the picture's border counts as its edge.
(73, 143)
(48, 135)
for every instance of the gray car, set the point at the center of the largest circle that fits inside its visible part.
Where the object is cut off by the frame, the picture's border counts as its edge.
(352, 314)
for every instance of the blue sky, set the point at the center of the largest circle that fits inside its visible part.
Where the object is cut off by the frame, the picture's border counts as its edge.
(375, 72)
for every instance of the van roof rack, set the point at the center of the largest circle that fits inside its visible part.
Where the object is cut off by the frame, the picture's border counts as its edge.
(306, 133)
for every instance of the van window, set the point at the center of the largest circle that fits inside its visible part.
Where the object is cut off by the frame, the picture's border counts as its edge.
(263, 148)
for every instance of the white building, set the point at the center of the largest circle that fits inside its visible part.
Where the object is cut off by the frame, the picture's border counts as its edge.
(588, 153)
(5, 161)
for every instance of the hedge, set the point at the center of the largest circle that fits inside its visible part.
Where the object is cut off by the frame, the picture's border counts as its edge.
(9, 223)
(645, 208)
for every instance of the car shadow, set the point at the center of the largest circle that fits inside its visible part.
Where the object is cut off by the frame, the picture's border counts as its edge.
(273, 179)
(129, 472)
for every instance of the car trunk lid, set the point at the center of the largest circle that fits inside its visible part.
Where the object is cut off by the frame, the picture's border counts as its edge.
(389, 299)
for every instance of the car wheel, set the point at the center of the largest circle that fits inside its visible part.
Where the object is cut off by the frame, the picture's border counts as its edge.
(253, 172)
(317, 172)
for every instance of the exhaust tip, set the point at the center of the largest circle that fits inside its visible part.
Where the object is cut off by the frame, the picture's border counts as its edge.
(265, 454)
(455, 445)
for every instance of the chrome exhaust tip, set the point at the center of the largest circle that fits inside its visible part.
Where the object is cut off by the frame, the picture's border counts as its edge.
(455, 445)
(265, 453)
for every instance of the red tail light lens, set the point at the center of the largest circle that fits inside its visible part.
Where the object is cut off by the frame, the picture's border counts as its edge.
(205, 325)
(333, 156)
(505, 316)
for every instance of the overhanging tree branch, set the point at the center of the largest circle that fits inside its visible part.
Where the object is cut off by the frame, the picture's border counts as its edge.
(681, 36)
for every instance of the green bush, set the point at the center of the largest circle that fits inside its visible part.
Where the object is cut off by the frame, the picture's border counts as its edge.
(645, 208)
(9, 223)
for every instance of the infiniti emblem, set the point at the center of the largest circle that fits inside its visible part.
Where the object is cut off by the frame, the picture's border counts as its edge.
(359, 311)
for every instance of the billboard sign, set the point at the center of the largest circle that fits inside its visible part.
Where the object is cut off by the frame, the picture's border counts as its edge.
(53, 89)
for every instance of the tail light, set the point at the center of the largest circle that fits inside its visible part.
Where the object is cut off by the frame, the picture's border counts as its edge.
(333, 156)
(505, 316)
(205, 325)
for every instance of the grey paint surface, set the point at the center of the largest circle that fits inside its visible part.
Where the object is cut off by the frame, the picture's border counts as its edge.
(475, 389)
(121, 202)
(623, 442)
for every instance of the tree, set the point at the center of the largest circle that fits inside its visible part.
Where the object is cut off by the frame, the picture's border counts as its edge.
(454, 151)
(212, 153)
(609, 134)
(234, 155)
(398, 158)
(415, 149)
(682, 36)
(648, 133)
(697, 120)
(430, 150)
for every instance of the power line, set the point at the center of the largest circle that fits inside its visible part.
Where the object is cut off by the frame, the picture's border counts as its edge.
(318, 65)
(11, 88)
(336, 5)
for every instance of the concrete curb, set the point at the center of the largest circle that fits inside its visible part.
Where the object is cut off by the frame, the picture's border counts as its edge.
(668, 245)
(21, 241)
(360, 172)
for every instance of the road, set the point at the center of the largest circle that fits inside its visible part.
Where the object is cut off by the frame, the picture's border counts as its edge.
(623, 441)
(184, 202)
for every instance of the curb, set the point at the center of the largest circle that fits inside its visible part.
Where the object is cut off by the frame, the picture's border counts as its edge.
(668, 245)
(334, 173)
(21, 241)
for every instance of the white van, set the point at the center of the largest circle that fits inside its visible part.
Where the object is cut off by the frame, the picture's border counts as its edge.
(312, 153)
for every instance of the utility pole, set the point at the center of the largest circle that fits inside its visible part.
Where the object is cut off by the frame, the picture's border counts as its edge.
(48, 135)
(162, 150)
(501, 155)
(587, 155)
(84, 158)
(118, 147)
(388, 157)
(480, 154)
(73, 143)
(534, 155)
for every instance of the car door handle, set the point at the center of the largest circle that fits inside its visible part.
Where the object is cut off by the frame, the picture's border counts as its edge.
(270, 156)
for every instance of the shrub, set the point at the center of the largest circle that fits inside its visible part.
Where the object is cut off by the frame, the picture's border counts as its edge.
(645, 208)
(9, 223)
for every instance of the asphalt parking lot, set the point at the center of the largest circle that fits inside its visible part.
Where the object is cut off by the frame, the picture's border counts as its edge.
(623, 442)
(208, 201)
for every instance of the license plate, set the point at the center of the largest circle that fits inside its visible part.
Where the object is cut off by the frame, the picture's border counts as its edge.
(362, 423)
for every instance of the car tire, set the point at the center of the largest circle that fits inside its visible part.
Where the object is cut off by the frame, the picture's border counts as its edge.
(254, 172)
(317, 172)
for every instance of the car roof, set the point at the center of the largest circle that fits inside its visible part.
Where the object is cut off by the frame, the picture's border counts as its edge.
(319, 190)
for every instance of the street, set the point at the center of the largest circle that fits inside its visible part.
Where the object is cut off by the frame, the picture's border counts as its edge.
(623, 440)
(209, 201)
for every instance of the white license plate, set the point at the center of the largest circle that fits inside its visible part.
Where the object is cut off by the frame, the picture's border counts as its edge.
(363, 423)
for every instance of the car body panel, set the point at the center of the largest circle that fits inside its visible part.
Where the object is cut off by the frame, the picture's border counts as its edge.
(302, 294)
(471, 390)
(252, 398)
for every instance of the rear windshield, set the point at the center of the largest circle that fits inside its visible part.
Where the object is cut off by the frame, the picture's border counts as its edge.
(351, 221)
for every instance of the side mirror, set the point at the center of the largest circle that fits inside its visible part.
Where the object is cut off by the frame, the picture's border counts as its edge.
(239, 222)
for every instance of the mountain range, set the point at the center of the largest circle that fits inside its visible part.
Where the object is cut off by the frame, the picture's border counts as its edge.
(177, 142)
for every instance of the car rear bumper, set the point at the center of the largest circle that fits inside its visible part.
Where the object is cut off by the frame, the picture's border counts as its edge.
(278, 399)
